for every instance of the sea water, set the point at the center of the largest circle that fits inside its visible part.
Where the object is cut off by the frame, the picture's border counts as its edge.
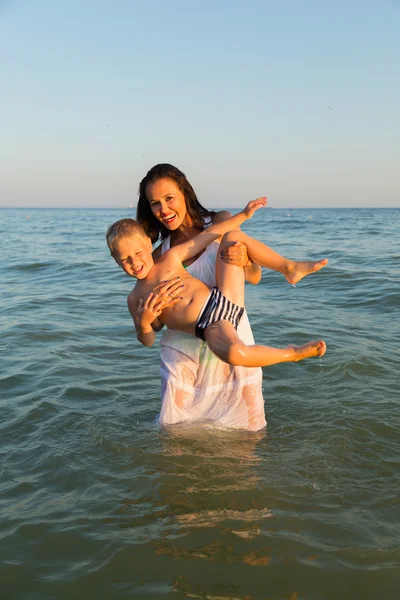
(98, 502)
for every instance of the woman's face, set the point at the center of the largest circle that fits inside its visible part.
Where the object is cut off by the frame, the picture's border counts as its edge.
(167, 203)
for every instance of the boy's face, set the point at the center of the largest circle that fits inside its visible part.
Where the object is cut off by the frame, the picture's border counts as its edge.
(133, 254)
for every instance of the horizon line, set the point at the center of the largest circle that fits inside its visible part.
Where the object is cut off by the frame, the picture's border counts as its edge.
(215, 208)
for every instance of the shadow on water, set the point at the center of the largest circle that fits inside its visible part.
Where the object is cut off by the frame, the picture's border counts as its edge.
(201, 477)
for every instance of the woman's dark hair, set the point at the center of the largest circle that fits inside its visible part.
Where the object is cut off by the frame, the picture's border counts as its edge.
(154, 229)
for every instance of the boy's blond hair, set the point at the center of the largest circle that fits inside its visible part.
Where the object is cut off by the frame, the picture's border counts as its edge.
(122, 229)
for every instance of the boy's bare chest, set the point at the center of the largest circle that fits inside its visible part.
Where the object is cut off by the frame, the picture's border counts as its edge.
(159, 275)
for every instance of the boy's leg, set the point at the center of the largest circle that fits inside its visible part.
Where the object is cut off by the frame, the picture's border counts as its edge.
(293, 270)
(222, 337)
(230, 278)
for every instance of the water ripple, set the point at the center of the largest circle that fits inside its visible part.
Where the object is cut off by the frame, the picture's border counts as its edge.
(97, 500)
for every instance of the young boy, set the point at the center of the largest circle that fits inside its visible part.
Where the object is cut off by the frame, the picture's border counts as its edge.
(210, 315)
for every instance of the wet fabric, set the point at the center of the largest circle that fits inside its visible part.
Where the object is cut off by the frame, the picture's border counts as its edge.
(196, 386)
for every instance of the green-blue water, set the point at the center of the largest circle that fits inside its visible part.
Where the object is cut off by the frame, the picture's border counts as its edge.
(97, 502)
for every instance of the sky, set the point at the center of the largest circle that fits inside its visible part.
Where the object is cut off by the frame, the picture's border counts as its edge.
(298, 101)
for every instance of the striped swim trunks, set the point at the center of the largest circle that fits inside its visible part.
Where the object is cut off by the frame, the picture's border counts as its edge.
(218, 308)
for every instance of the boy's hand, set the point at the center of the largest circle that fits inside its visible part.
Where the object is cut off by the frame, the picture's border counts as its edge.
(254, 205)
(148, 311)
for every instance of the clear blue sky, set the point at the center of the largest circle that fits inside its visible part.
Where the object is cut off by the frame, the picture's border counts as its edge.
(295, 100)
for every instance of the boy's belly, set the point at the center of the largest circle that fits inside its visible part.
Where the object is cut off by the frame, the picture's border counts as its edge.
(184, 315)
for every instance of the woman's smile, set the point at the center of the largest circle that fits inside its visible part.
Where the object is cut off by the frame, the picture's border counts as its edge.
(167, 203)
(169, 219)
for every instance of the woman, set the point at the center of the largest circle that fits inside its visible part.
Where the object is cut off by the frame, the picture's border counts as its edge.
(195, 385)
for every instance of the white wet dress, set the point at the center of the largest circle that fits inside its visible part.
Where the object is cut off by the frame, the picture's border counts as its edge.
(196, 386)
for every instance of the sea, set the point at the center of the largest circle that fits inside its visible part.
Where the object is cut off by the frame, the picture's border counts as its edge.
(97, 501)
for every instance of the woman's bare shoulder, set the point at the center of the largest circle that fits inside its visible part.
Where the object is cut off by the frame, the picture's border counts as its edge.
(221, 215)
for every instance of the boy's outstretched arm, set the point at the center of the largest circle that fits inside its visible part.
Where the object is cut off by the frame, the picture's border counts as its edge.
(192, 247)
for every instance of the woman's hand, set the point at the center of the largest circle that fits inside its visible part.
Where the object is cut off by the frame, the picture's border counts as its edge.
(236, 255)
(147, 311)
(168, 293)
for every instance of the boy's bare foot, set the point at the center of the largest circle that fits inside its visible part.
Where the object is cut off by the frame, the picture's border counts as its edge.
(296, 270)
(313, 348)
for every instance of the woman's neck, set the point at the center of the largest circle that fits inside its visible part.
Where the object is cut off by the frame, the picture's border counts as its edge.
(185, 232)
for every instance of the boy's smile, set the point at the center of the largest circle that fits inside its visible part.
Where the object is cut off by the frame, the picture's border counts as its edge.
(134, 256)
